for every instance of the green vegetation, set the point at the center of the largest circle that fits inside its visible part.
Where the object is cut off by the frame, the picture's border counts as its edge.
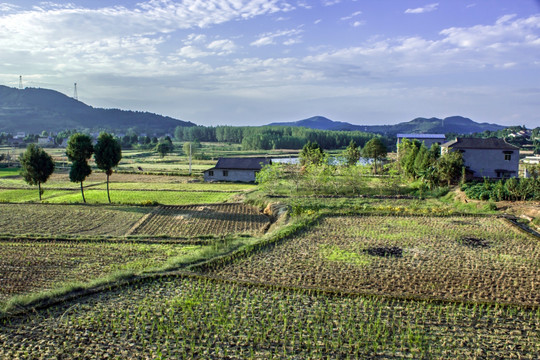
(79, 150)
(199, 318)
(36, 166)
(4, 172)
(108, 154)
(510, 189)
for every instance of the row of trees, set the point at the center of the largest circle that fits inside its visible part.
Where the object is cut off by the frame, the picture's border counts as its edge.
(313, 153)
(415, 161)
(274, 137)
(37, 166)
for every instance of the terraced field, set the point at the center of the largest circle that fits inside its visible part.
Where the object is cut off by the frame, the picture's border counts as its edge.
(178, 318)
(479, 259)
(200, 220)
(28, 266)
(51, 219)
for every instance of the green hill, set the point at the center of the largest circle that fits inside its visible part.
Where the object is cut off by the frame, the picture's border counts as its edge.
(34, 110)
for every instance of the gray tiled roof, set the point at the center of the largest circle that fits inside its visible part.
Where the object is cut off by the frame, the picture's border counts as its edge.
(253, 163)
(476, 143)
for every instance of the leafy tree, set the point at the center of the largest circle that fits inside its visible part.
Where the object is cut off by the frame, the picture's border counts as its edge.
(79, 150)
(311, 153)
(269, 177)
(191, 148)
(376, 150)
(352, 153)
(36, 166)
(164, 147)
(449, 167)
(107, 153)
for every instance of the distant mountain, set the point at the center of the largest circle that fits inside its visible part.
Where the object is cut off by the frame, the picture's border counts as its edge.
(320, 123)
(34, 110)
(453, 124)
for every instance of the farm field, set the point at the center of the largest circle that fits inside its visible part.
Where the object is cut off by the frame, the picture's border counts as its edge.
(201, 220)
(479, 259)
(31, 266)
(191, 318)
(52, 219)
(128, 197)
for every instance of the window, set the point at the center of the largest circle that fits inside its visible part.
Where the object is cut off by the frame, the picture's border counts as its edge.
(507, 157)
(211, 173)
(225, 172)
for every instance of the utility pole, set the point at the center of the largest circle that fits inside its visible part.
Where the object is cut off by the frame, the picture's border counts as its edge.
(189, 158)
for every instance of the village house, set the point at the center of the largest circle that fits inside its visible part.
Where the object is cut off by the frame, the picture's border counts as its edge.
(427, 139)
(236, 169)
(492, 158)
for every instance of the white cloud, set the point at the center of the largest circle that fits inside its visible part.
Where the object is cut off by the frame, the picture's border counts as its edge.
(222, 47)
(330, 2)
(422, 10)
(354, 14)
(358, 23)
(269, 38)
(5, 7)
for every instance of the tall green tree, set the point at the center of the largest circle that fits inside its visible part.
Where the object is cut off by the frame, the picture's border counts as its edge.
(79, 150)
(36, 166)
(107, 153)
(376, 150)
(164, 147)
(449, 167)
(352, 153)
(311, 153)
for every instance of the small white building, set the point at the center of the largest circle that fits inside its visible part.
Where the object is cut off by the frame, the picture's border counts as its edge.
(45, 141)
(236, 169)
(492, 158)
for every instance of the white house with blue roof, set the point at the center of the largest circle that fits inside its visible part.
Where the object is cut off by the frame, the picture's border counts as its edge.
(427, 139)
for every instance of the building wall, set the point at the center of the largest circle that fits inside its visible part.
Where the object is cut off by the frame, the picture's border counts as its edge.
(484, 162)
(233, 175)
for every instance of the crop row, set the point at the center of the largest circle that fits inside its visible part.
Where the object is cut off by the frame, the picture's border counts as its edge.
(456, 258)
(192, 318)
(216, 219)
(29, 266)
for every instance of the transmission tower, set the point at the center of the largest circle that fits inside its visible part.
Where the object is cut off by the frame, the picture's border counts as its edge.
(75, 96)
(20, 83)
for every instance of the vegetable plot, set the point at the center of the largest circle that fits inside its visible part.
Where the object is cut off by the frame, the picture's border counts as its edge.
(478, 259)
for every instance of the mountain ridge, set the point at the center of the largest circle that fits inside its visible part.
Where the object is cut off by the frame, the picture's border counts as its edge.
(451, 124)
(37, 109)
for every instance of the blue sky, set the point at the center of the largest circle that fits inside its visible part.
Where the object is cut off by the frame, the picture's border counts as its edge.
(252, 62)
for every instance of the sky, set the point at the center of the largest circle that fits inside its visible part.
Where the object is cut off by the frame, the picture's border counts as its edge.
(252, 62)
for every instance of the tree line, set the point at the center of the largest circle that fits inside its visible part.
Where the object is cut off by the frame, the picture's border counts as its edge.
(37, 165)
(275, 137)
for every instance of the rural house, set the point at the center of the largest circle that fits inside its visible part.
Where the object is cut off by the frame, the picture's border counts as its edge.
(492, 158)
(427, 139)
(236, 169)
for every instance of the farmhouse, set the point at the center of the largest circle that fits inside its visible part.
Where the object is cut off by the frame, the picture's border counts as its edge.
(427, 139)
(492, 158)
(236, 169)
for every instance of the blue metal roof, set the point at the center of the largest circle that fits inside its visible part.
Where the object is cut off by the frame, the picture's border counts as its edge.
(422, 136)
